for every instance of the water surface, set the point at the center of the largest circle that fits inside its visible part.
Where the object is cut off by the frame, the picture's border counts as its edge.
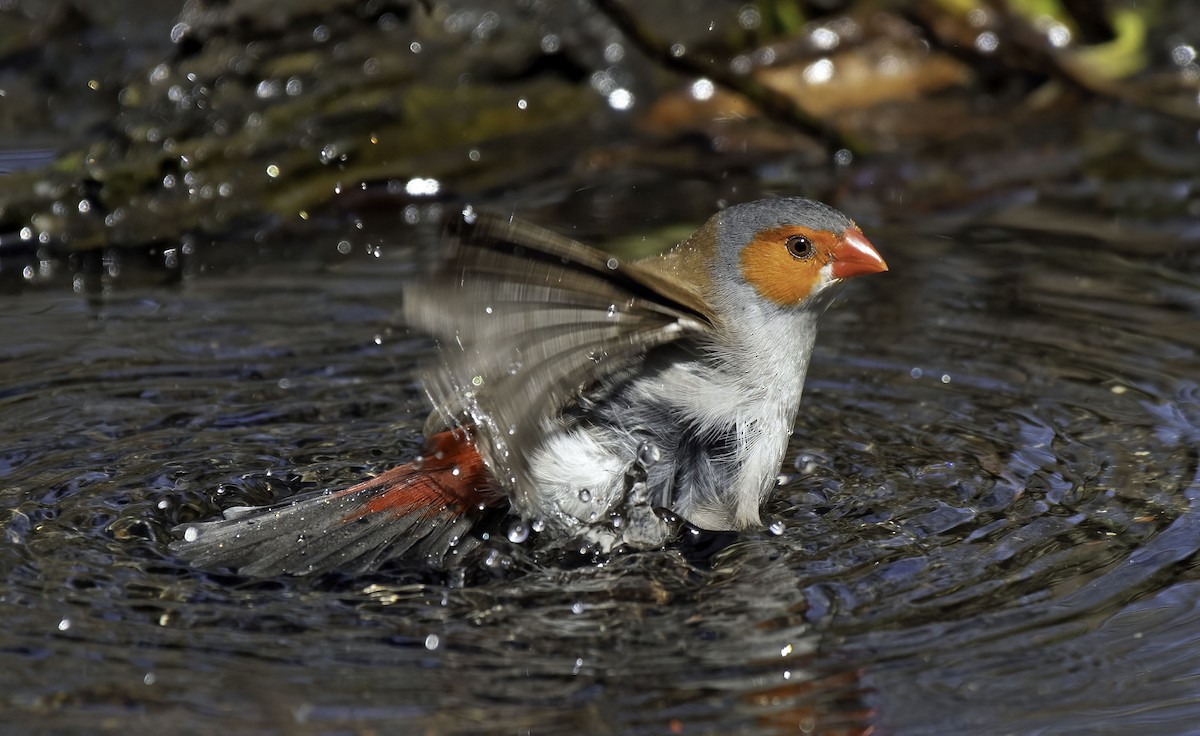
(988, 523)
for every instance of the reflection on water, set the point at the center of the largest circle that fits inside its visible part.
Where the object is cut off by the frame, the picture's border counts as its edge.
(989, 525)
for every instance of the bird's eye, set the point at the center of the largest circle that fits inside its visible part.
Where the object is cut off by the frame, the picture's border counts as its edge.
(800, 247)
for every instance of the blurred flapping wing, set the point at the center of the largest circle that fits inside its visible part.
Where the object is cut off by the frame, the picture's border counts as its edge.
(526, 320)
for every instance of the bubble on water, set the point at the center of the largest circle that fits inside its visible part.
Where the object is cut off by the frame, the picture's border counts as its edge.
(777, 527)
(945, 378)
(538, 525)
(191, 534)
(612, 263)
(578, 666)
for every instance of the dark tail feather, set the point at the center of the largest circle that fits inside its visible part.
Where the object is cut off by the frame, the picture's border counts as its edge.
(426, 509)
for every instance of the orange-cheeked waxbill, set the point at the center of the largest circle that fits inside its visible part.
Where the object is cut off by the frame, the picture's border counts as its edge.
(572, 389)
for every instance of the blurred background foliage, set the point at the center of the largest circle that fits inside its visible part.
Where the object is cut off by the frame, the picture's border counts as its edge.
(136, 125)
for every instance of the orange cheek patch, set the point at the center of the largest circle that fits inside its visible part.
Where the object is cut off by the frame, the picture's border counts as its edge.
(775, 274)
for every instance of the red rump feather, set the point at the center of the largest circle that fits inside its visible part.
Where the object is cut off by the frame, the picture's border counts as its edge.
(425, 508)
(448, 477)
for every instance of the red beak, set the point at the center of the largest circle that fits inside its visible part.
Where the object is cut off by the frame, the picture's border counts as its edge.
(855, 256)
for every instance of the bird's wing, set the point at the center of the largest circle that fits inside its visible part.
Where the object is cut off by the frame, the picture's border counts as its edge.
(526, 320)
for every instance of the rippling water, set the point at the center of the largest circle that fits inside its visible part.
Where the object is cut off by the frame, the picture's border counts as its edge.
(989, 525)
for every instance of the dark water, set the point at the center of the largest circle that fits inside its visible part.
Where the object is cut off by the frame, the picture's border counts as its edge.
(990, 525)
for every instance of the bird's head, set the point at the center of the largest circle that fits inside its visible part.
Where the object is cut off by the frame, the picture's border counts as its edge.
(787, 251)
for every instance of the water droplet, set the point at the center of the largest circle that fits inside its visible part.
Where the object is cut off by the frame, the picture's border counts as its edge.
(620, 99)
(612, 310)
(577, 607)
(818, 72)
(422, 186)
(538, 525)
(825, 39)
(455, 471)
(777, 527)
(487, 310)
(585, 495)
(518, 533)
(987, 42)
(149, 679)
(702, 89)
(191, 534)
(945, 378)
(749, 17)
(649, 454)
(432, 641)
(64, 624)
